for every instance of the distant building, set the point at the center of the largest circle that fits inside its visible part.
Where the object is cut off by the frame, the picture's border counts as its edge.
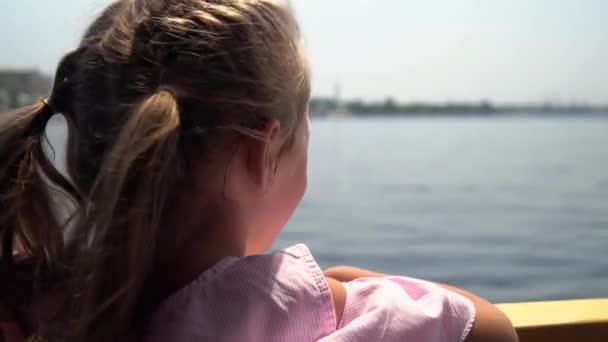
(20, 88)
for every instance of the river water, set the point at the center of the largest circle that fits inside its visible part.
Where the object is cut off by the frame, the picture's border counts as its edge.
(513, 208)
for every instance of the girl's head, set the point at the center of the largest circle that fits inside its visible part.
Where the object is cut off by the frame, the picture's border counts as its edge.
(187, 123)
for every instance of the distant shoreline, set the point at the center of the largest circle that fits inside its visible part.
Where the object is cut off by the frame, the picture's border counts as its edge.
(333, 107)
(446, 114)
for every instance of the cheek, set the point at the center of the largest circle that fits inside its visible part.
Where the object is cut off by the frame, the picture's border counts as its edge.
(302, 177)
(280, 204)
(299, 174)
(292, 179)
(292, 183)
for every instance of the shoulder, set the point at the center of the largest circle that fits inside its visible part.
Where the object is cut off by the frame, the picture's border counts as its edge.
(293, 268)
(279, 296)
(291, 279)
(291, 274)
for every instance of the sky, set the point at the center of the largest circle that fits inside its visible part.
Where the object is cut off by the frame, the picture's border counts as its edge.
(514, 51)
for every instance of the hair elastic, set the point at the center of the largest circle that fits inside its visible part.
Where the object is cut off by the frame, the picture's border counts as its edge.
(49, 103)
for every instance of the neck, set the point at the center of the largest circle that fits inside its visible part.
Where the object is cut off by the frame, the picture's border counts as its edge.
(189, 247)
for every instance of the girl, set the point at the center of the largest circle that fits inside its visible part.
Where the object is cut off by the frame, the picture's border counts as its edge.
(188, 135)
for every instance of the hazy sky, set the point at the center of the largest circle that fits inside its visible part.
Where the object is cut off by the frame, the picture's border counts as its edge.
(429, 50)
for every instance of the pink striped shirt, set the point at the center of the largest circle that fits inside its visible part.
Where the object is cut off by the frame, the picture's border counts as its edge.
(284, 296)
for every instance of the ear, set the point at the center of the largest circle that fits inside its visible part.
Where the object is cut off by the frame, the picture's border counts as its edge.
(262, 155)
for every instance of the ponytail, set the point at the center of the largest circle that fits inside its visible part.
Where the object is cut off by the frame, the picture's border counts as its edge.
(31, 236)
(119, 228)
(113, 246)
(28, 226)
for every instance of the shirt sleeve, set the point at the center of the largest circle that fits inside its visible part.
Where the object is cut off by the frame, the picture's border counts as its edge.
(402, 309)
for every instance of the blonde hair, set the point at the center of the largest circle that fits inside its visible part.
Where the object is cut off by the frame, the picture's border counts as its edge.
(152, 86)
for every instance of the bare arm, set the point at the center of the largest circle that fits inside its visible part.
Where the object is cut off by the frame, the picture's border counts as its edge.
(338, 293)
(491, 324)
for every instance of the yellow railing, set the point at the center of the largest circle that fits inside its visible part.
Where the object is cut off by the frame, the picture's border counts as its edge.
(560, 321)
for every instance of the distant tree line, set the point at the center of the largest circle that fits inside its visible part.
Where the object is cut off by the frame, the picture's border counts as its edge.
(22, 87)
(328, 106)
